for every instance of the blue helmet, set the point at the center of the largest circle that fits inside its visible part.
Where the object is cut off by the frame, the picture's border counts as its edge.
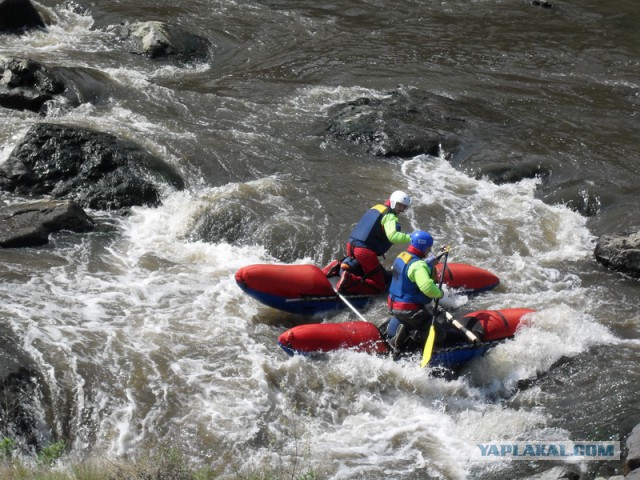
(421, 240)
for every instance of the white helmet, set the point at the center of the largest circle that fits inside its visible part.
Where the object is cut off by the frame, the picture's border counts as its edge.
(399, 197)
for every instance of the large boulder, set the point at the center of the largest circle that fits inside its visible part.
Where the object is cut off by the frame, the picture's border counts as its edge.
(30, 224)
(18, 15)
(620, 253)
(159, 40)
(96, 169)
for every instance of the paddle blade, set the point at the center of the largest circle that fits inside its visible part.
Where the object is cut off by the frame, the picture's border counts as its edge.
(428, 347)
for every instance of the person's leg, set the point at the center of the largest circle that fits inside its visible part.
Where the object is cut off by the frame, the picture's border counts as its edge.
(397, 342)
(373, 271)
(347, 279)
(332, 269)
(415, 319)
(417, 324)
(369, 264)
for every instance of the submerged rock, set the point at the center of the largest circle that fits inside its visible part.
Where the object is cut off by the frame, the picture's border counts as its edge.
(30, 224)
(620, 253)
(515, 170)
(18, 15)
(399, 124)
(96, 169)
(581, 196)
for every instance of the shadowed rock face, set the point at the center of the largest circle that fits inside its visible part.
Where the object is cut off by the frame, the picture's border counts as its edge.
(620, 253)
(18, 15)
(95, 169)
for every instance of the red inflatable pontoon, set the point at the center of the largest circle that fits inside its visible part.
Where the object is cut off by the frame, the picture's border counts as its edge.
(304, 289)
(490, 326)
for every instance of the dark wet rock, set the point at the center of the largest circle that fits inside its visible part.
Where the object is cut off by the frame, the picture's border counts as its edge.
(581, 196)
(159, 40)
(567, 472)
(30, 224)
(29, 85)
(19, 15)
(20, 392)
(620, 252)
(400, 124)
(542, 3)
(96, 169)
(631, 466)
(632, 461)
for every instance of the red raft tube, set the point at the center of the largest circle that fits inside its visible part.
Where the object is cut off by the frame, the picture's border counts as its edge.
(304, 289)
(490, 326)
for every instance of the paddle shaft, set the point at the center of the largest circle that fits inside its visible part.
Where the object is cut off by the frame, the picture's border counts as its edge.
(346, 302)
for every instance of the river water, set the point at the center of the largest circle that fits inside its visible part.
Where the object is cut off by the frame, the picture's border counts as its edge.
(141, 335)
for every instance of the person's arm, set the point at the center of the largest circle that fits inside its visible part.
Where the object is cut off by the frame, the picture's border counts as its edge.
(392, 229)
(419, 273)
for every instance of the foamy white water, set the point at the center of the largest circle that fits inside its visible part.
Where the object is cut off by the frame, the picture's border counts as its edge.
(177, 352)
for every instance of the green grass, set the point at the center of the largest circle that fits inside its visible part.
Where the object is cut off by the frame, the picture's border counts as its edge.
(167, 464)
(164, 463)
